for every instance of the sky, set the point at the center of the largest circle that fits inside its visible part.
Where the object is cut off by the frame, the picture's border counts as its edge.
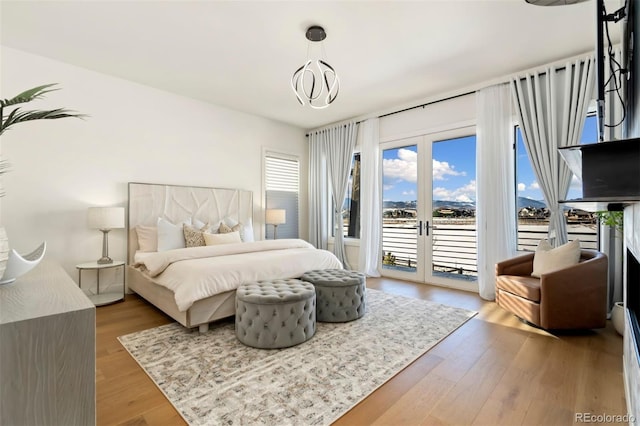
(454, 170)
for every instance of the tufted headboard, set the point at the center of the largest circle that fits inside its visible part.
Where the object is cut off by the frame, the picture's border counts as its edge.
(148, 202)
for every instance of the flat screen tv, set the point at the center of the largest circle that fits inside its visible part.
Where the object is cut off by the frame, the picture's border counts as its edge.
(610, 171)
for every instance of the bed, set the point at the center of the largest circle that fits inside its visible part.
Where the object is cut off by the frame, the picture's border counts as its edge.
(196, 285)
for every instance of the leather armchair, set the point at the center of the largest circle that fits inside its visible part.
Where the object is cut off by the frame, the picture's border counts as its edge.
(570, 298)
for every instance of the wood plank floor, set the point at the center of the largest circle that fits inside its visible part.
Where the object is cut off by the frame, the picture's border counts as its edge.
(494, 370)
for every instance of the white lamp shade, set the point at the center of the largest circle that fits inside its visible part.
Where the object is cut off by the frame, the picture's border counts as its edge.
(275, 216)
(106, 217)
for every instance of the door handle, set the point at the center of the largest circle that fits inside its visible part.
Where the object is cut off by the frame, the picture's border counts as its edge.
(419, 227)
(426, 228)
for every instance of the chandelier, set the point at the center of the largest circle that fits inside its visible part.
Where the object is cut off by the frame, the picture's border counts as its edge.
(315, 82)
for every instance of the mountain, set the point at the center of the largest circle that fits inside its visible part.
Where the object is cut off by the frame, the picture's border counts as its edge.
(528, 202)
(459, 205)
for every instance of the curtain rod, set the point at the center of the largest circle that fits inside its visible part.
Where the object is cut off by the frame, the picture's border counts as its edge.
(417, 106)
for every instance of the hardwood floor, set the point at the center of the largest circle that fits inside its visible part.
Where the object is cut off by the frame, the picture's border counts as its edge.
(493, 370)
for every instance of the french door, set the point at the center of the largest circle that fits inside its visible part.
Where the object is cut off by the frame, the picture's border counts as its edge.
(428, 219)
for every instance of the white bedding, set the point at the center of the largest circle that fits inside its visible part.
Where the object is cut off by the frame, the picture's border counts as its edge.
(200, 272)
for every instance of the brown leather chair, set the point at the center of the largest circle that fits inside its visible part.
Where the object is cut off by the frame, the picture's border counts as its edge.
(571, 298)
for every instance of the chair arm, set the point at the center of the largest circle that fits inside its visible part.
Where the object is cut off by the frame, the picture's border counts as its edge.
(520, 265)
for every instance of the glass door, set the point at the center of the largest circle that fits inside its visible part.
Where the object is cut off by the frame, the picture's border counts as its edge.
(428, 217)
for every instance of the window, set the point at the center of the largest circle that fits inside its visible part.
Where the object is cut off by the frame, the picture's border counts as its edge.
(281, 192)
(351, 206)
(533, 215)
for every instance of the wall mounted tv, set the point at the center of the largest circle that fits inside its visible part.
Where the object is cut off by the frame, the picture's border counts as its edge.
(610, 171)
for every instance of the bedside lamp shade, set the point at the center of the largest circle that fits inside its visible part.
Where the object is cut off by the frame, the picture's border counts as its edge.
(105, 219)
(275, 217)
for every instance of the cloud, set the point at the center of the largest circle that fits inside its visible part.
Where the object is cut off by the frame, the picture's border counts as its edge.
(388, 187)
(466, 193)
(441, 169)
(410, 192)
(521, 187)
(405, 167)
(534, 186)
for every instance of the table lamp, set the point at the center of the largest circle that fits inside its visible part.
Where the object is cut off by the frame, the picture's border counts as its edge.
(275, 217)
(105, 219)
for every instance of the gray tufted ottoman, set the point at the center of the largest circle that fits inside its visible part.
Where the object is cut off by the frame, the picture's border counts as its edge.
(340, 294)
(276, 313)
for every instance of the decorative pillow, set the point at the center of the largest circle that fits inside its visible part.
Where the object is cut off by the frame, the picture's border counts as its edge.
(147, 238)
(223, 238)
(198, 224)
(170, 236)
(225, 229)
(230, 225)
(548, 259)
(192, 236)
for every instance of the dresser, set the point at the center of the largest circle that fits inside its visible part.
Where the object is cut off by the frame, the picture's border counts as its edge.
(47, 350)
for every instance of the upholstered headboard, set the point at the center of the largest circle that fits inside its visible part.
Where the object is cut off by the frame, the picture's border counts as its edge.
(148, 202)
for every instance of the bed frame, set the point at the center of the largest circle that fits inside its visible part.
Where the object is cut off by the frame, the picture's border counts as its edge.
(148, 202)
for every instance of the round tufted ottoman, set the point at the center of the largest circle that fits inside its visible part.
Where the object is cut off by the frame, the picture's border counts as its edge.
(275, 314)
(340, 294)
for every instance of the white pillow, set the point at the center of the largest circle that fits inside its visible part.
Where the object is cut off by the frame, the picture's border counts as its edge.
(247, 234)
(147, 238)
(548, 259)
(216, 239)
(171, 236)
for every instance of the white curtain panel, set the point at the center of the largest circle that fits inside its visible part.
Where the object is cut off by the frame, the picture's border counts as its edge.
(339, 144)
(551, 108)
(318, 190)
(495, 191)
(370, 196)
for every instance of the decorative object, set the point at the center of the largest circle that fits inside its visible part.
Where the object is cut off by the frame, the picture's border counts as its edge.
(4, 250)
(275, 217)
(11, 118)
(312, 383)
(105, 219)
(617, 317)
(315, 82)
(18, 265)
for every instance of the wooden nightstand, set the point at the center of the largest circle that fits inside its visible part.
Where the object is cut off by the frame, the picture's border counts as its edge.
(102, 298)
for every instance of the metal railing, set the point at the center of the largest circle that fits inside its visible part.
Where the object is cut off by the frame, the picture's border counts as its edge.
(455, 244)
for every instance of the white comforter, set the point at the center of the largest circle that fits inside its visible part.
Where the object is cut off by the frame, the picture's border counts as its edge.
(199, 272)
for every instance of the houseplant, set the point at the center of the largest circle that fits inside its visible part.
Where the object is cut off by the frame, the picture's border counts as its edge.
(15, 116)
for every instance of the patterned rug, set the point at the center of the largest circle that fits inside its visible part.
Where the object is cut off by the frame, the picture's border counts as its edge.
(212, 378)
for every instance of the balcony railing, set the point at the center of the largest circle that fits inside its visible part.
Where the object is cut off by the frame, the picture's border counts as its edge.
(454, 243)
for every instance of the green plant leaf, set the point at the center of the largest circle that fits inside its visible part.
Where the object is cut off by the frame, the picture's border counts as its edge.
(28, 95)
(18, 116)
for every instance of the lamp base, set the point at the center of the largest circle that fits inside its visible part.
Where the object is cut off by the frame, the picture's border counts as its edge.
(104, 260)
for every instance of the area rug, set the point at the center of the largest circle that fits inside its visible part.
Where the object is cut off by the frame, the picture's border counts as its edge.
(212, 378)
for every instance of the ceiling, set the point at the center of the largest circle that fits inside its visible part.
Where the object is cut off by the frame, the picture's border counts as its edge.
(241, 54)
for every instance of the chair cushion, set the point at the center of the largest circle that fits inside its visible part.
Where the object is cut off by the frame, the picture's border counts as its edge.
(523, 286)
(548, 259)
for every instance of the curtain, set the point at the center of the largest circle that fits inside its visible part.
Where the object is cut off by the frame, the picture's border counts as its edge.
(318, 190)
(370, 207)
(551, 108)
(339, 144)
(495, 190)
(330, 155)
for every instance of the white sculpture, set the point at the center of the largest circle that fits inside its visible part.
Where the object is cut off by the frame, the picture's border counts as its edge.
(19, 265)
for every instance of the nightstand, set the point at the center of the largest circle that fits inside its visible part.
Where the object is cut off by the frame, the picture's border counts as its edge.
(102, 298)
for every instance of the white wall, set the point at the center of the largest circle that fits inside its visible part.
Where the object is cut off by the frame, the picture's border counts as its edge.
(133, 133)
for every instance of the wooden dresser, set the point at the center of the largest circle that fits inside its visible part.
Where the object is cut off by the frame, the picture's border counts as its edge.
(47, 350)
